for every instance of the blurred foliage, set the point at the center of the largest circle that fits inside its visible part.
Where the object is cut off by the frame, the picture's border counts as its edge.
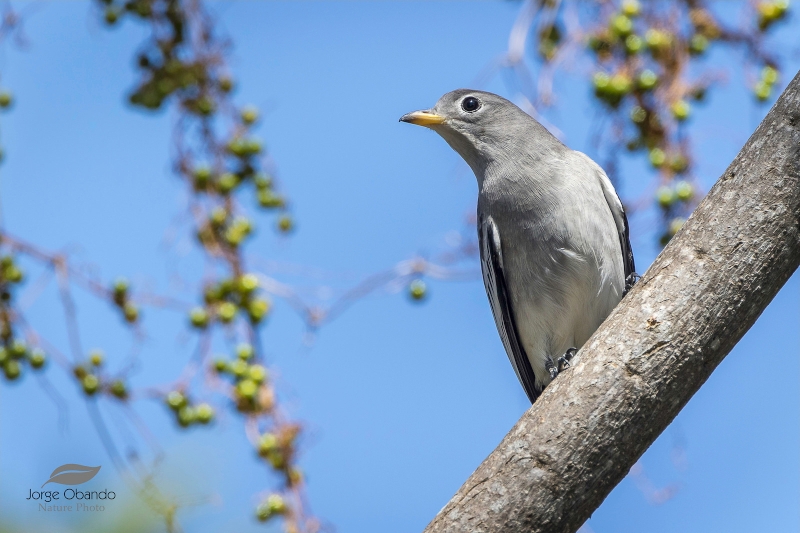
(649, 70)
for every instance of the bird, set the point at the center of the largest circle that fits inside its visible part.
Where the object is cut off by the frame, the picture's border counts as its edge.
(553, 235)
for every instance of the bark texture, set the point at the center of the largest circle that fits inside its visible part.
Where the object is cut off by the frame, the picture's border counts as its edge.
(658, 347)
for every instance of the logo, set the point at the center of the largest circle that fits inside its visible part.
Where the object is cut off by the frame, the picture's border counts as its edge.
(75, 499)
(72, 474)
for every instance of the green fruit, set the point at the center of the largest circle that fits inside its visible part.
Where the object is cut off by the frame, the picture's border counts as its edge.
(37, 358)
(225, 286)
(599, 42)
(601, 82)
(227, 182)
(762, 91)
(243, 225)
(11, 369)
(548, 49)
(6, 99)
(681, 110)
(277, 460)
(234, 237)
(285, 224)
(249, 115)
(96, 357)
(226, 312)
(665, 196)
(13, 274)
(638, 114)
(218, 216)
(633, 44)
(3, 354)
(199, 317)
(220, 365)
(295, 476)
(238, 368)
(684, 191)
(698, 44)
(176, 399)
(267, 444)
(204, 413)
(111, 15)
(262, 512)
(675, 225)
(131, 312)
(268, 199)
(253, 147)
(186, 416)
(262, 181)
(212, 294)
(247, 388)
(248, 283)
(698, 93)
(769, 74)
(631, 8)
(276, 504)
(90, 384)
(657, 157)
(118, 389)
(678, 163)
(621, 25)
(120, 290)
(257, 373)
(79, 372)
(273, 506)
(657, 40)
(225, 83)
(204, 106)
(245, 351)
(417, 290)
(201, 176)
(620, 84)
(18, 349)
(258, 309)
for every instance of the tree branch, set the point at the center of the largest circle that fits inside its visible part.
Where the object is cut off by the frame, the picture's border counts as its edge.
(700, 296)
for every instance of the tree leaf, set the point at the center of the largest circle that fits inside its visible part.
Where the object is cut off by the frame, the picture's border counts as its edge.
(72, 474)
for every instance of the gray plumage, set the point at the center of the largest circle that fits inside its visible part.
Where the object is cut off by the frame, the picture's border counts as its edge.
(555, 251)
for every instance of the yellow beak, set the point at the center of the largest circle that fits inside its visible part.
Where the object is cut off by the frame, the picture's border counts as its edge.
(423, 118)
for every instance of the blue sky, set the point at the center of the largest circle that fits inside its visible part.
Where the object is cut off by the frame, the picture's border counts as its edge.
(401, 401)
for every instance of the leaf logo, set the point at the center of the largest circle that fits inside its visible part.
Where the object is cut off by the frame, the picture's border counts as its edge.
(72, 474)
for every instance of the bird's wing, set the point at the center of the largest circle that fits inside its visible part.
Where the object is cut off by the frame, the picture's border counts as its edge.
(621, 221)
(495, 280)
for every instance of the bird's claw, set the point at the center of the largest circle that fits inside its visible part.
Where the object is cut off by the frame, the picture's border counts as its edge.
(563, 361)
(551, 368)
(630, 281)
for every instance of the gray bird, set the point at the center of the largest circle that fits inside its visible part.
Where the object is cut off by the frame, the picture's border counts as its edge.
(555, 251)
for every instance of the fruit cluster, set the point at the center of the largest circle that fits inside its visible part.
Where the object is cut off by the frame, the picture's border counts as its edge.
(187, 413)
(14, 351)
(252, 393)
(225, 299)
(121, 297)
(92, 380)
(643, 59)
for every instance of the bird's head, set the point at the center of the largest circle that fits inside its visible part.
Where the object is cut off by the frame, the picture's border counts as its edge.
(482, 127)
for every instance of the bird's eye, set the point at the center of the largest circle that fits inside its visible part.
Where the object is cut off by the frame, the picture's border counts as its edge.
(470, 104)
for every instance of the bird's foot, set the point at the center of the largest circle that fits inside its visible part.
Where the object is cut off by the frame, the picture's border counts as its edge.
(630, 281)
(563, 361)
(551, 368)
